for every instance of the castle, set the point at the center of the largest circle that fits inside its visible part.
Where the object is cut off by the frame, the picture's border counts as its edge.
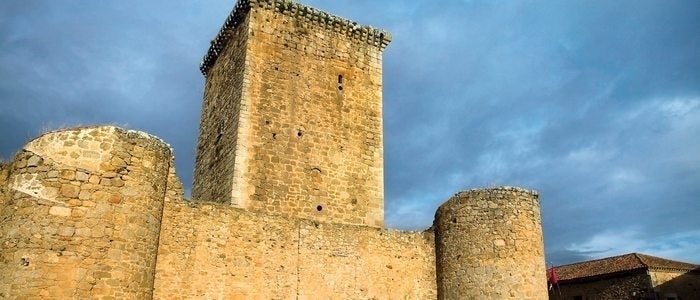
(287, 196)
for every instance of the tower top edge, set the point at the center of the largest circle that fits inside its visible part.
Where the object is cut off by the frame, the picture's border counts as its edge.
(370, 35)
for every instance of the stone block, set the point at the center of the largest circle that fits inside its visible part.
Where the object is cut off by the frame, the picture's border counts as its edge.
(60, 211)
(94, 179)
(34, 161)
(65, 231)
(68, 174)
(86, 232)
(70, 191)
(84, 195)
(82, 176)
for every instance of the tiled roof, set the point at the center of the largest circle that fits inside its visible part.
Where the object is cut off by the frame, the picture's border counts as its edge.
(654, 262)
(618, 264)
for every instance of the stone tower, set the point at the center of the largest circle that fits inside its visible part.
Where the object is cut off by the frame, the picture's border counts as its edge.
(488, 245)
(81, 215)
(291, 122)
(291, 149)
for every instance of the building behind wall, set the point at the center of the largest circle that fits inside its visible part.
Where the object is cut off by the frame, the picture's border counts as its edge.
(629, 276)
(288, 192)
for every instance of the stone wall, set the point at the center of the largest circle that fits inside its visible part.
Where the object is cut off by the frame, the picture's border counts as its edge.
(4, 173)
(676, 283)
(211, 251)
(223, 124)
(301, 117)
(87, 211)
(288, 191)
(489, 246)
(82, 215)
(617, 287)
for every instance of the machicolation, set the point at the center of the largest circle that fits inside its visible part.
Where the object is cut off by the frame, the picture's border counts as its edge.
(287, 197)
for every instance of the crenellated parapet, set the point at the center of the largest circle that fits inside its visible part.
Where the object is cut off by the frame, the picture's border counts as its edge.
(308, 15)
(291, 115)
(288, 192)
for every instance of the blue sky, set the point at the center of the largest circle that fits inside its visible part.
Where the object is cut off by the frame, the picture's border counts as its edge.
(595, 104)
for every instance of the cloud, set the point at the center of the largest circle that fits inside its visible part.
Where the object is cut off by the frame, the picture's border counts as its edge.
(681, 246)
(108, 63)
(591, 103)
(595, 104)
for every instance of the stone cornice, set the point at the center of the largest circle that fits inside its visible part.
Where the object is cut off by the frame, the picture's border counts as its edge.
(373, 36)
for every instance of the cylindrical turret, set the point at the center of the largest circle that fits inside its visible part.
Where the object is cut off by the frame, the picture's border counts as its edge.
(489, 245)
(82, 215)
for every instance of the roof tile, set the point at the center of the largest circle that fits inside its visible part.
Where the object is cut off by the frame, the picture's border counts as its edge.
(621, 263)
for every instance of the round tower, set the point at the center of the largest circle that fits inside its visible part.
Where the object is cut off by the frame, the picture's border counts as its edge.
(82, 215)
(489, 245)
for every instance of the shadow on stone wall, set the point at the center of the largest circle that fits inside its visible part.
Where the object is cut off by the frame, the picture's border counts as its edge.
(85, 212)
(679, 286)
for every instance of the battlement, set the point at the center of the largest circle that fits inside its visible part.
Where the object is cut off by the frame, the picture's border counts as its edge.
(288, 192)
(309, 15)
(291, 117)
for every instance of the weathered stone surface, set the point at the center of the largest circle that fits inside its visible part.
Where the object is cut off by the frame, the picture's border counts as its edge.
(84, 194)
(68, 174)
(82, 176)
(33, 161)
(262, 256)
(291, 122)
(69, 190)
(290, 151)
(59, 228)
(66, 231)
(4, 174)
(94, 179)
(59, 211)
(489, 245)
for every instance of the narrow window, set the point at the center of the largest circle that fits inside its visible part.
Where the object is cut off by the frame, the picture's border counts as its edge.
(219, 134)
(217, 142)
(340, 82)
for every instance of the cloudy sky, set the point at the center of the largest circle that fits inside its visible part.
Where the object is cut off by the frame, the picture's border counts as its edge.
(595, 104)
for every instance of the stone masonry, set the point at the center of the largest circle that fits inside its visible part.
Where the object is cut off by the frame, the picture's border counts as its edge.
(288, 192)
(481, 237)
(291, 121)
(82, 215)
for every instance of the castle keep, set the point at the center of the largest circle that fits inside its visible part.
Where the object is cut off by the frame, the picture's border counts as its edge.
(287, 196)
(291, 120)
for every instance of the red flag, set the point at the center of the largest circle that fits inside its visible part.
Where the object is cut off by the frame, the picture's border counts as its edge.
(552, 278)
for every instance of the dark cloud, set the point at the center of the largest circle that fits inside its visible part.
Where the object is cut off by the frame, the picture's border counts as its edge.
(127, 63)
(596, 104)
